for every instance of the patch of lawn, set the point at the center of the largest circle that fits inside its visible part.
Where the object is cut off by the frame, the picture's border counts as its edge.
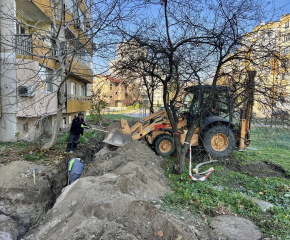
(112, 116)
(202, 197)
(34, 157)
(19, 144)
(83, 138)
(116, 116)
(273, 146)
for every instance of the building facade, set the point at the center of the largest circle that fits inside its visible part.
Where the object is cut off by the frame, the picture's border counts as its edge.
(132, 67)
(265, 50)
(110, 89)
(46, 65)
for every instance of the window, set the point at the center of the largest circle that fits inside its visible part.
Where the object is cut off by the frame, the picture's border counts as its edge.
(284, 64)
(20, 29)
(81, 17)
(269, 34)
(287, 24)
(286, 51)
(283, 76)
(25, 127)
(111, 86)
(46, 78)
(82, 90)
(286, 38)
(73, 88)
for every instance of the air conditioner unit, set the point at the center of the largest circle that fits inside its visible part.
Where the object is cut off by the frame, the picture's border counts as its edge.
(25, 91)
(77, 23)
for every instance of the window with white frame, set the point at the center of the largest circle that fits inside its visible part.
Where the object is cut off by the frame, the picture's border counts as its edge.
(81, 17)
(82, 90)
(20, 29)
(287, 24)
(46, 78)
(73, 88)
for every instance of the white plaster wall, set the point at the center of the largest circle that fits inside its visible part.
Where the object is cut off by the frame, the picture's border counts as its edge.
(42, 103)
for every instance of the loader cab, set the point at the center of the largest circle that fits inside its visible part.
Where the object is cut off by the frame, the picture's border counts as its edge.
(195, 103)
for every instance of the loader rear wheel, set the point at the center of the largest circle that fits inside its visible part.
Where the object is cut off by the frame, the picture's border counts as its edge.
(164, 145)
(219, 141)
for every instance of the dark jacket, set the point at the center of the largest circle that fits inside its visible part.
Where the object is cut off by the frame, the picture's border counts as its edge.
(76, 126)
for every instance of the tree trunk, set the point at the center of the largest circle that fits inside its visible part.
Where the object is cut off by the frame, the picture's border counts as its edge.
(181, 153)
(55, 130)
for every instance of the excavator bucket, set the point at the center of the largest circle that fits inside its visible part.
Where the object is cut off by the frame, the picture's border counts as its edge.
(119, 136)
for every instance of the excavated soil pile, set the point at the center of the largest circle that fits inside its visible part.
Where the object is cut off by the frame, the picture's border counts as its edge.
(138, 168)
(111, 201)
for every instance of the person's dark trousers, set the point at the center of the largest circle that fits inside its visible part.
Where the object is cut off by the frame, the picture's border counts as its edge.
(72, 142)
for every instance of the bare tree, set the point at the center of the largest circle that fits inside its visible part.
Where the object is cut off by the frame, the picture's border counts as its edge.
(137, 68)
(193, 43)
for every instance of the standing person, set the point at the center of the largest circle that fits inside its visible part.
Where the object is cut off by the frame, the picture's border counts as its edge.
(77, 128)
(75, 169)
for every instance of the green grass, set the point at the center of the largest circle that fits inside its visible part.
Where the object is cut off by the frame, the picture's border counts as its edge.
(34, 157)
(19, 144)
(116, 116)
(273, 146)
(112, 116)
(201, 197)
(83, 138)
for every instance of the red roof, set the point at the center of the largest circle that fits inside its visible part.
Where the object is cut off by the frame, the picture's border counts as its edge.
(111, 79)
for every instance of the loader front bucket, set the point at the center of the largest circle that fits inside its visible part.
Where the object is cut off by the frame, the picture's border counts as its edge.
(119, 136)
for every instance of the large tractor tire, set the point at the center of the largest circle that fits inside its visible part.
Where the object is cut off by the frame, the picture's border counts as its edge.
(164, 145)
(219, 141)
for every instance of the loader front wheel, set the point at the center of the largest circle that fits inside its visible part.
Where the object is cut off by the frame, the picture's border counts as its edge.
(164, 145)
(219, 141)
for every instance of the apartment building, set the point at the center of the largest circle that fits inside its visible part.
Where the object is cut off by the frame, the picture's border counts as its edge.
(265, 50)
(130, 69)
(110, 89)
(46, 65)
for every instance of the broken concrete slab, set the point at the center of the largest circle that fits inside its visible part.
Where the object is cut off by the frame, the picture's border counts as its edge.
(236, 228)
(262, 204)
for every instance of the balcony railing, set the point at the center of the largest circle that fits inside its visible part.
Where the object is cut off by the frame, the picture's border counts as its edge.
(23, 44)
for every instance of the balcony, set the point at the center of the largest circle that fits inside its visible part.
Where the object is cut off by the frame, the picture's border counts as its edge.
(77, 103)
(23, 44)
(36, 10)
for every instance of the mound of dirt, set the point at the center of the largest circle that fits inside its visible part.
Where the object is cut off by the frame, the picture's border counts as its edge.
(138, 167)
(92, 208)
(262, 169)
(87, 151)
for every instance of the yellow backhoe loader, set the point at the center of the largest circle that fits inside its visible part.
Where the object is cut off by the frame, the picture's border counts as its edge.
(217, 132)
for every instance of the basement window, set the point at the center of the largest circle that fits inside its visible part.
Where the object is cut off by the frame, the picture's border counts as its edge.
(25, 127)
